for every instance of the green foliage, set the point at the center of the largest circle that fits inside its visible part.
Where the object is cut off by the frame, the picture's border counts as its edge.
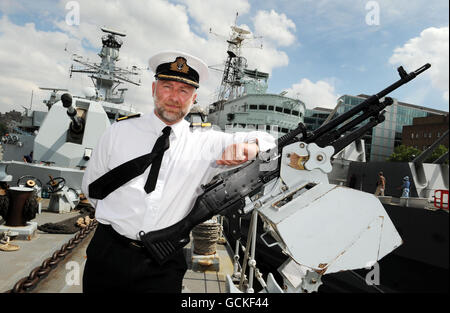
(3, 129)
(436, 154)
(404, 153)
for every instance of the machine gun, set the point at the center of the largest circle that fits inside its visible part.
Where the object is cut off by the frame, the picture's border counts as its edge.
(275, 184)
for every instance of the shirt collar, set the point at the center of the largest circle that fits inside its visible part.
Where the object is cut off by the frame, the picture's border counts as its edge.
(156, 125)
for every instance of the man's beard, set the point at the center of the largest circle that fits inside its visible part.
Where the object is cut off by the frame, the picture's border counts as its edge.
(167, 116)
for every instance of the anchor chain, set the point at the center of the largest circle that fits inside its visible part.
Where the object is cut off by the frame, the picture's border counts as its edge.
(29, 282)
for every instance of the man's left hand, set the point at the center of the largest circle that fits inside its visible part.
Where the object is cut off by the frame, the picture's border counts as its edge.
(238, 153)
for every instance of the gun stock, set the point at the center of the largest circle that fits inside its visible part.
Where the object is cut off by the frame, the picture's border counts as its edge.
(162, 244)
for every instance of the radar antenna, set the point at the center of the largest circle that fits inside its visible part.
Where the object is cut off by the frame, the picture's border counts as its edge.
(53, 96)
(231, 85)
(106, 76)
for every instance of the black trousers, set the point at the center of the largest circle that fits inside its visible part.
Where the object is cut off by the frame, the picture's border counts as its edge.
(115, 265)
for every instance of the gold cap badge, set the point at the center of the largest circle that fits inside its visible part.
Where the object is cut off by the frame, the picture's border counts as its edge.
(179, 65)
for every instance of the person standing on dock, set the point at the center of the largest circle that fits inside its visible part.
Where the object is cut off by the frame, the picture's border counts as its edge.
(405, 187)
(381, 185)
(136, 188)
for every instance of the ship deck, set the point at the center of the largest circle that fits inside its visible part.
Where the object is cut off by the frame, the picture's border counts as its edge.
(66, 276)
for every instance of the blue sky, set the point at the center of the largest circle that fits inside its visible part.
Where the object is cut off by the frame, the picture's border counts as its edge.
(316, 50)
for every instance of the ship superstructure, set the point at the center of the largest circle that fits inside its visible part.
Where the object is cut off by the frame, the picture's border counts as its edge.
(73, 125)
(243, 103)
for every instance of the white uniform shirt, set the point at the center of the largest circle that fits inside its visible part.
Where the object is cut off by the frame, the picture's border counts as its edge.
(189, 162)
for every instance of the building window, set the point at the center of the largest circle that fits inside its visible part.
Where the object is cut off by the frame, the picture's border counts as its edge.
(417, 135)
(295, 112)
(263, 107)
(412, 135)
(253, 107)
(271, 107)
(287, 111)
(278, 109)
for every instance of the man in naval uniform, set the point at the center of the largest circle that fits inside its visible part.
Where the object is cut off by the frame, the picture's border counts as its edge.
(161, 193)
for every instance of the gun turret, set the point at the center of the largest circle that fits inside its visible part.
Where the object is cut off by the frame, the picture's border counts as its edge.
(77, 124)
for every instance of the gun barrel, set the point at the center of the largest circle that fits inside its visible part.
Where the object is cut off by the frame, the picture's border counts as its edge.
(405, 78)
(283, 141)
(77, 122)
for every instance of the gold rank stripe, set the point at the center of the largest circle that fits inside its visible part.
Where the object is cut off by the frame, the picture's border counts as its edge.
(185, 80)
(201, 124)
(127, 117)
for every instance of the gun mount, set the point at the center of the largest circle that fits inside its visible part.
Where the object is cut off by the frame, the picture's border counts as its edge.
(291, 193)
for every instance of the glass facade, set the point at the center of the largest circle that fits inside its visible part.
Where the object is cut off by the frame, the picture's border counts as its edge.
(380, 143)
(314, 118)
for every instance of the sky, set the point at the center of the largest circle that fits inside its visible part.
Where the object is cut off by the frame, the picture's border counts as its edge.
(315, 50)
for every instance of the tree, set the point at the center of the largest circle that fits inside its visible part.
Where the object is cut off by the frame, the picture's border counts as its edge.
(439, 151)
(3, 129)
(404, 153)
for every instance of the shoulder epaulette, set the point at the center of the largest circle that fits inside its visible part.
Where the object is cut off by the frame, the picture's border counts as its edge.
(127, 117)
(200, 125)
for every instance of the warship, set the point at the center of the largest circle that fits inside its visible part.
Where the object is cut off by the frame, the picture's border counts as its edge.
(243, 103)
(293, 198)
(46, 155)
(61, 140)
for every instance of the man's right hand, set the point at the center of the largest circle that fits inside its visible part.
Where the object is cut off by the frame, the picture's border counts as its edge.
(238, 153)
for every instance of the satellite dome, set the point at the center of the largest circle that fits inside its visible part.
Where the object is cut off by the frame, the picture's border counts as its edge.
(89, 92)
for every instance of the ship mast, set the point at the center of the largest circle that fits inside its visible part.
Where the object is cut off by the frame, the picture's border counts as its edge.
(231, 85)
(106, 76)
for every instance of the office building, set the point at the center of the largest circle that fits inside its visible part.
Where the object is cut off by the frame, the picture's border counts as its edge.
(381, 141)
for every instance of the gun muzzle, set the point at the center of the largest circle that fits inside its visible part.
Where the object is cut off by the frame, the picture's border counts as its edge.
(77, 123)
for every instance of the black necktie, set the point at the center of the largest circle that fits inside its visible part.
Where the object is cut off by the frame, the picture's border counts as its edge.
(125, 172)
(163, 146)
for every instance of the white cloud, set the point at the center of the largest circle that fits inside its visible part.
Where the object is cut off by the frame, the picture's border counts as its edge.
(266, 59)
(39, 59)
(217, 15)
(318, 94)
(275, 27)
(32, 59)
(432, 46)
